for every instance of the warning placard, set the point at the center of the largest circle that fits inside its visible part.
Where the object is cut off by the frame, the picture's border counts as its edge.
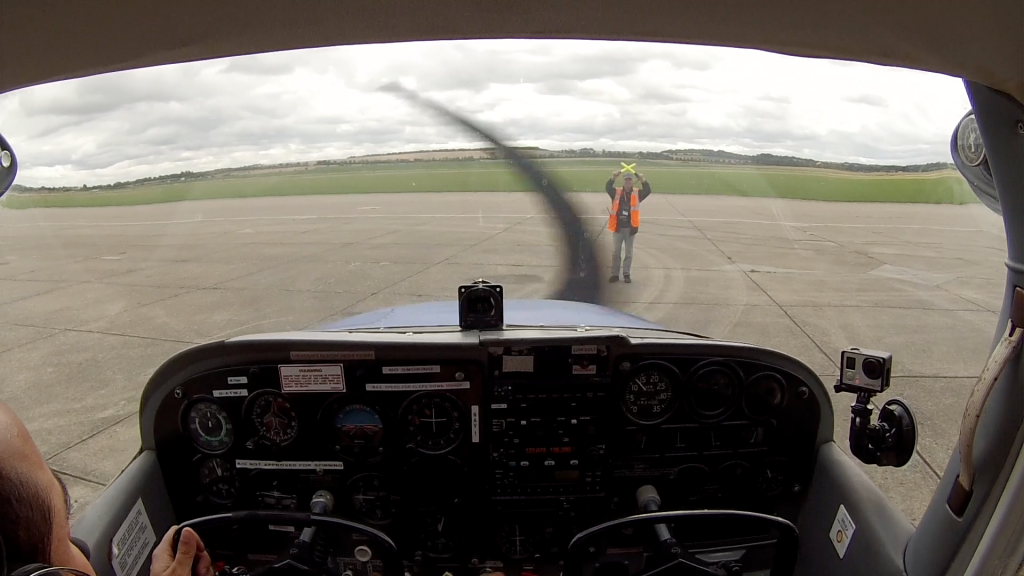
(312, 378)
(842, 531)
(133, 542)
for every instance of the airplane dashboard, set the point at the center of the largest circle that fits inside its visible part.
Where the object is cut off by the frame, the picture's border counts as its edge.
(475, 455)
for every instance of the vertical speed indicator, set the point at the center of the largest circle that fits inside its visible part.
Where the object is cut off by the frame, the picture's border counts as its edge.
(651, 393)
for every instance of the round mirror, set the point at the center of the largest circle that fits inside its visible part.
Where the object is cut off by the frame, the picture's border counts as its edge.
(968, 141)
(5, 159)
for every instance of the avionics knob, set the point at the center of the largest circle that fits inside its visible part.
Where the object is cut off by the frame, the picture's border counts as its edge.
(362, 553)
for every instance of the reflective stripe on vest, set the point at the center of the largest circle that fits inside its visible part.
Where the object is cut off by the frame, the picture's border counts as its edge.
(634, 210)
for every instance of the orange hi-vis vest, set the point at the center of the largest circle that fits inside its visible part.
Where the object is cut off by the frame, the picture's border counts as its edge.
(634, 210)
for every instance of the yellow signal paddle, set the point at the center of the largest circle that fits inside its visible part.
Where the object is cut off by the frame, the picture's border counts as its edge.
(628, 168)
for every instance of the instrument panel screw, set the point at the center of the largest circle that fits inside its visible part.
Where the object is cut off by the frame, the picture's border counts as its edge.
(803, 392)
(624, 366)
(796, 488)
(179, 393)
(460, 376)
(1020, 126)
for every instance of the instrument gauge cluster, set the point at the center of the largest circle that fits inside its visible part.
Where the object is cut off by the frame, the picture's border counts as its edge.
(543, 440)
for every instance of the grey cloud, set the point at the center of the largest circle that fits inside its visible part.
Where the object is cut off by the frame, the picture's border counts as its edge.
(277, 64)
(868, 100)
(317, 104)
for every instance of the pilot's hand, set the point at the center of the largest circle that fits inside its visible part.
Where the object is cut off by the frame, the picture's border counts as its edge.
(191, 559)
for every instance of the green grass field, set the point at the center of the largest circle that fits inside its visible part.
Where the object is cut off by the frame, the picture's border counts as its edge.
(946, 187)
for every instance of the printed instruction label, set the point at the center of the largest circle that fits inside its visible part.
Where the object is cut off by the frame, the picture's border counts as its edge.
(328, 355)
(584, 349)
(410, 369)
(475, 412)
(517, 363)
(238, 380)
(281, 528)
(304, 465)
(842, 531)
(584, 369)
(312, 378)
(132, 544)
(499, 406)
(410, 386)
(230, 393)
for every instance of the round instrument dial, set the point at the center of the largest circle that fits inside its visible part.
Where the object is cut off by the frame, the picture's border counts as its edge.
(210, 427)
(218, 481)
(713, 391)
(273, 417)
(651, 394)
(968, 141)
(517, 541)
(692, 478)
(773, 477)
(434, 421)
(358, 432)
(764, 395)
(733, 475)
(372, 498)
(438, 539)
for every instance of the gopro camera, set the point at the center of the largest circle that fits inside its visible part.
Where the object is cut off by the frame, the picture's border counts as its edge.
(865, 370)
(481, 306)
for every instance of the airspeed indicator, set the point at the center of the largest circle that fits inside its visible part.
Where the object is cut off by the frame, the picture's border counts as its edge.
(650, 395)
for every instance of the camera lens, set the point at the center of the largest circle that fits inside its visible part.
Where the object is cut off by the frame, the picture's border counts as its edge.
(872, 368)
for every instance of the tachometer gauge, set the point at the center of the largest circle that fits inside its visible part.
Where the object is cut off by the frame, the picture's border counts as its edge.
(218, 481)
(372, 498)
(764, 395)
(273, 417)
(358, 432)
(434, 421)
(651, 394)
(210, 427)
(713, 391)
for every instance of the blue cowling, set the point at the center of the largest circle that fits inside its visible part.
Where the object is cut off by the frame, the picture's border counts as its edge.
(517, 313)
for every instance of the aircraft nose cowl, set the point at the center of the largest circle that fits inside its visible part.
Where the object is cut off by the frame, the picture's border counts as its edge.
(517, 313)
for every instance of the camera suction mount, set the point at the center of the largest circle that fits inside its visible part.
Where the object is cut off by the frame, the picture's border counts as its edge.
(892, 440)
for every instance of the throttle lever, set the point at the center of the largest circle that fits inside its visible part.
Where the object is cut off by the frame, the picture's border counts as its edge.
(648, 500)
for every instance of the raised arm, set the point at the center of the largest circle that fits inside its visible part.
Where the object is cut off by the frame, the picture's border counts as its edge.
(645, 189)
(609, 186)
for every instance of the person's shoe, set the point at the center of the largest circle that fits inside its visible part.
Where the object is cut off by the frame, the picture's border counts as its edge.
(626, 278)
(614, 279)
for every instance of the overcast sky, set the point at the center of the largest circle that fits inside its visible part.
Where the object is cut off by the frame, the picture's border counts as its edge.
(322, 104)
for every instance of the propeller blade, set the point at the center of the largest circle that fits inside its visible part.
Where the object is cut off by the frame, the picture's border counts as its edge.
(581, 283)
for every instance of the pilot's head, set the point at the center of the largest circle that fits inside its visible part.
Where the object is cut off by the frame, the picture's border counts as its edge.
(34, 503)
(627, 180)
